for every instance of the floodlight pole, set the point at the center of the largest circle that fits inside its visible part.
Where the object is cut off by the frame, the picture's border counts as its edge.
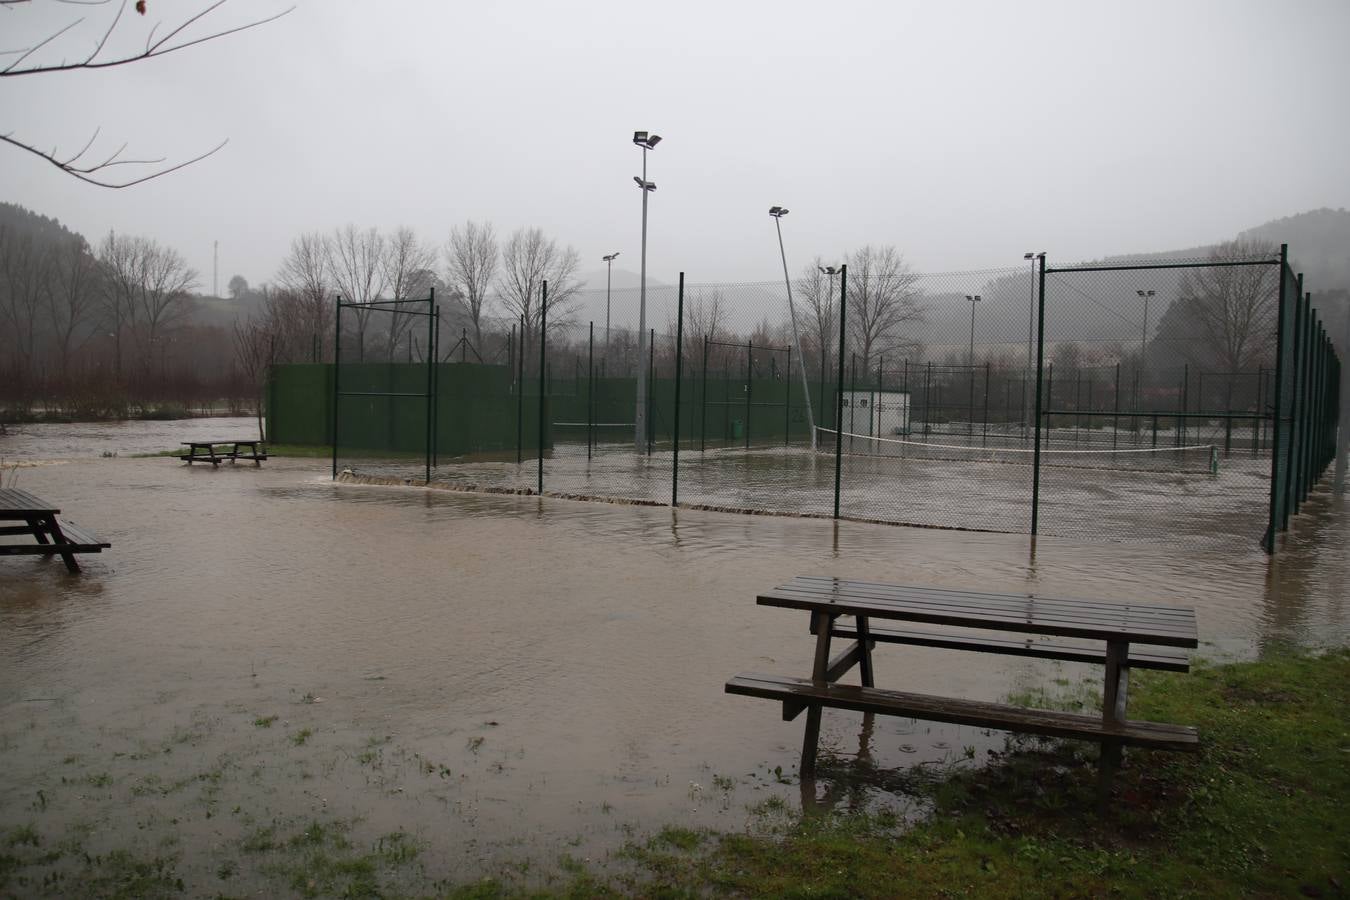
(778, 212)
(609, 275)
(646, 142)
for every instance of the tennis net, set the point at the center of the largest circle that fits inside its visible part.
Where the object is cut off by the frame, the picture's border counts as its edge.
(1198, 459)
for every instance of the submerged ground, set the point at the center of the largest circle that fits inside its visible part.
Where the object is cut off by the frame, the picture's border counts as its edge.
(268, 667)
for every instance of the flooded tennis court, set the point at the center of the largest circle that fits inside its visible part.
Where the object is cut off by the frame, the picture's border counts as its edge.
(498, 680)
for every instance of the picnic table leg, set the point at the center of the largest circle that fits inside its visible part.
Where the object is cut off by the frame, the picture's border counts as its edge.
(820, 673)
(865, 651)
(1114, 697)
(49, 527)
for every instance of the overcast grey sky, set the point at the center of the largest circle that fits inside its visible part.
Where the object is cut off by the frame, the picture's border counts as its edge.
(962, 133)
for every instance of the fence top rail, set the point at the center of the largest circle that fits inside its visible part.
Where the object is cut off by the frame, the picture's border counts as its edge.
(378, 303)
(741, 345)
(1126, 267)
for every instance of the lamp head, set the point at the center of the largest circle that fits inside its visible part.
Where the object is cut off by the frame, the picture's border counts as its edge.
(639, 137)
(610, 257)
(777, 212)
(1028, 255)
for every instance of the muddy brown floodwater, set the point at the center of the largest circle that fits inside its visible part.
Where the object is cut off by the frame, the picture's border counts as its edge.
(494, 681)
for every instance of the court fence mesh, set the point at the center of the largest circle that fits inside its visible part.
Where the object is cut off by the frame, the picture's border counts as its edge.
(1180, 400)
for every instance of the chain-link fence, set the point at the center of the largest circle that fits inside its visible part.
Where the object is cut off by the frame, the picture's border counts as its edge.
(1148, 400)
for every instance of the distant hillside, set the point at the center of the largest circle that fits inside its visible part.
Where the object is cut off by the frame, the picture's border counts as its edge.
(17, 219)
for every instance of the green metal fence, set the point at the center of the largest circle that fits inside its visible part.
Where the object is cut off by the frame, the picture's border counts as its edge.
(1095, 401)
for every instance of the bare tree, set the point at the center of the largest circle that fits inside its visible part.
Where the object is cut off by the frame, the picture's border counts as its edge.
(255, 347)
(471, 265)
(28, 60)
(23, 278)
(706, 314)
(305, 273)
(71, 296)
(528, 260)
(407, 271)
(1232, 308)
(356, 262)
(162, 293)
(882, 298)
(119, 259)
(814, 294)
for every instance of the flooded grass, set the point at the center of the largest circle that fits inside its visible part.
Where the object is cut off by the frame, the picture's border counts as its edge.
(1258, 813)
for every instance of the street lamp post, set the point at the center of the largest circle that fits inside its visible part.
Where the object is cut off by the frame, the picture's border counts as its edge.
(609, 274)
(646, 142)
(970, 362)
(1143, 347)
(1031, 329)
(778, 212)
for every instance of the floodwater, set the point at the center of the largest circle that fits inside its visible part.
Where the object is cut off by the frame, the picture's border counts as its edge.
(1153, 505)
(503, 679)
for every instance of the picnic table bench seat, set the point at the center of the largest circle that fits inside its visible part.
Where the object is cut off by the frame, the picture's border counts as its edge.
(797, 693)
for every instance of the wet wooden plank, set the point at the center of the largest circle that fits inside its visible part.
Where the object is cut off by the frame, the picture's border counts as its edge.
(1085, 611)
(1028, 616)
(964, 712)
(1139, 658)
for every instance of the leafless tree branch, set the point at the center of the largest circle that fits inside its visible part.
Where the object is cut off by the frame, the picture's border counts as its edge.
(86, 173)
(153, 48)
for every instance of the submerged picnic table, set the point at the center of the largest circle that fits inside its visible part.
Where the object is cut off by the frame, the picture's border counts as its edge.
(1113, 629)
(205, 451)
(53, 536)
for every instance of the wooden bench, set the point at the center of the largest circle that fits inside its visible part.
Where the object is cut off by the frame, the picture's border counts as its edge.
(1112, 627)
(52, 535)
(205, 451)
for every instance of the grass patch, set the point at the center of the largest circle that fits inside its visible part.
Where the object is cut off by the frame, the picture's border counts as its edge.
(264, 721)
(1258, 812)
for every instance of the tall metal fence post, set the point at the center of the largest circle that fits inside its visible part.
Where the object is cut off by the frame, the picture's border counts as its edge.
(590, 392)
(749, 375)
(651, 399)
(1343, 421)
(543, 349)
(337, 369)
(839, 389)
(431, 379)
(1040, 364)
(520, 396)
(1295, 411)
(984, 438)
(679, 376)
(787, 398)
(1273, 523)
(703, 403)
(436, 386)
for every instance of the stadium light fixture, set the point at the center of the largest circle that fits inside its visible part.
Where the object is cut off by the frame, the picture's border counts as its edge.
(645, 142)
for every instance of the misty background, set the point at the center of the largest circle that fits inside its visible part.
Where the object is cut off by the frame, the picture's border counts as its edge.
(961, 135)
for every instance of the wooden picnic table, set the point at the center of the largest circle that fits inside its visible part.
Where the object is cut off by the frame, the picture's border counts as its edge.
(1099, 632)
(53, 536)
(205, 451)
